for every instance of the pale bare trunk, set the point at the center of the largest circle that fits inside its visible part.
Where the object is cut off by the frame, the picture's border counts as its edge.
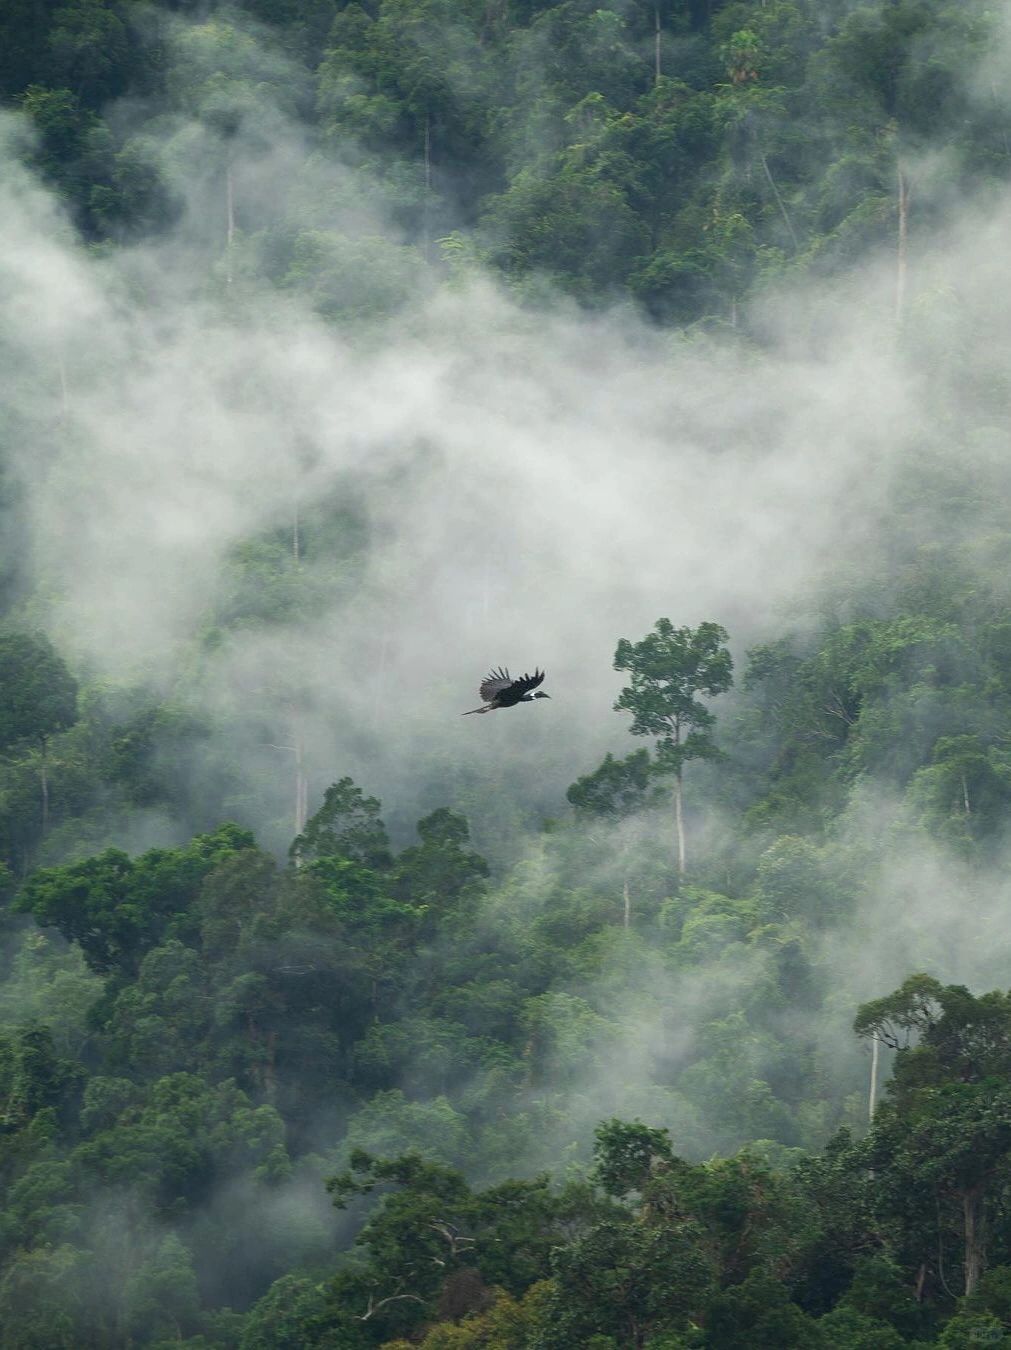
(779, 201)
(965, 796)
(872, 1096)
(301, 786)
(975, 1257)
(679, 815)
(680, 820)
(903, 247)
(627, 904)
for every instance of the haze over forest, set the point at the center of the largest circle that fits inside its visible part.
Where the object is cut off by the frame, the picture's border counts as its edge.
(348, 351)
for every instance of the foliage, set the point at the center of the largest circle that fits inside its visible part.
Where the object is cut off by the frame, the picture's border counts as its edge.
(118, 908)
(669, 668)
(347, 825)
(582, 1094)
(40, 694)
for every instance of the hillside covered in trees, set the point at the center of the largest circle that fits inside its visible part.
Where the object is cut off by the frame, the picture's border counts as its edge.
(348, 351)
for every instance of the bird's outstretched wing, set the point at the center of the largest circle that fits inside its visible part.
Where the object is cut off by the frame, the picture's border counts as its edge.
(525, 683)
(494, 683)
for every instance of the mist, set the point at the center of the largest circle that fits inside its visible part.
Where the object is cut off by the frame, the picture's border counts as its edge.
(314, 529)
(532, 484)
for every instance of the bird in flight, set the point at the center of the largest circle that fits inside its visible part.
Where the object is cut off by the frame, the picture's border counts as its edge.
(500, 690)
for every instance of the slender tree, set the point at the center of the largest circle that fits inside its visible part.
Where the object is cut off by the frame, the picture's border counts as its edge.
(39, 699)
(616, 791)
(670, 667)
(940, 1144)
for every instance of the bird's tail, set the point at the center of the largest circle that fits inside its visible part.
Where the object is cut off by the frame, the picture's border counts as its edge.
(486, 708)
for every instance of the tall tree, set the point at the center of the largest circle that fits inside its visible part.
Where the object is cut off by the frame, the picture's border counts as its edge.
(615, 792)
(347, 825)
(670, 667)
(940, 1145)
(39, 698)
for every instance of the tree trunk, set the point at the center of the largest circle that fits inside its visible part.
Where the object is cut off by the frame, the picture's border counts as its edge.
(679, 815)
(779, 201)
(301, 785)
(872, 1096)
(44, 783)
(965, 796)
(679, 818)
(627, 915)
(975, 1219)
(900, 261)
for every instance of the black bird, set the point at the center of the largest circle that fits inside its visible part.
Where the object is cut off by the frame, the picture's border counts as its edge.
(500, 690)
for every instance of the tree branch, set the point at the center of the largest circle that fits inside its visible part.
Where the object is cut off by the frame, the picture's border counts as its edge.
(392, 1298)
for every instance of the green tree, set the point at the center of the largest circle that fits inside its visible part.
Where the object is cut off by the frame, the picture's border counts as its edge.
(670, 667)
(116, 907)
(295, 1314)
(436, 1246)
(618, 789)
(92, 50)
(44, 1302)
(963, 793)
(407, 87)
(24, 27)
(233, 87)
(188, 1137)
(162, 1299)
(346, 826)
(627, 1154)
(440, 876)
(564, 1036)
(759, 1315)
(941, 1144)
(38, 699)
(574, 228)
(626, 1280)
(615, 793)
(34, 1079)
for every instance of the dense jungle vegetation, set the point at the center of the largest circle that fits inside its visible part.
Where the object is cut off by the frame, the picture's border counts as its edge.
(619, 1073)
